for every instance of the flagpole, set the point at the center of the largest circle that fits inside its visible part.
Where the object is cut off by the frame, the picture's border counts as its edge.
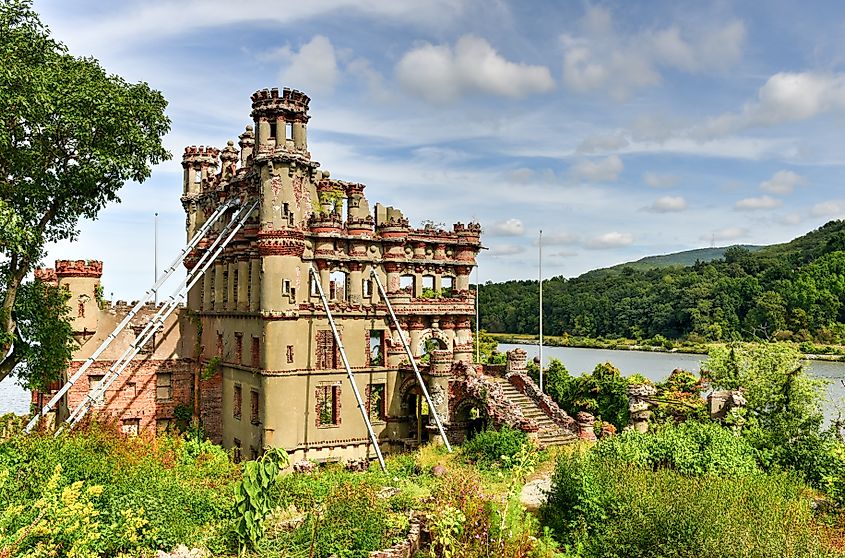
(540, 246)
(155, 258)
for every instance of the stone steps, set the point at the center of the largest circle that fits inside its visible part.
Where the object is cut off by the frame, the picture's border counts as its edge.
(549, 434)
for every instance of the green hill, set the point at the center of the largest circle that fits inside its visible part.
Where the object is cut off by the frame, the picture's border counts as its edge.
(794, 290)
(685, 258)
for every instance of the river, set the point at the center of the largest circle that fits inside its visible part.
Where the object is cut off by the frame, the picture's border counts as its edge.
(13, 398)
(656, 366)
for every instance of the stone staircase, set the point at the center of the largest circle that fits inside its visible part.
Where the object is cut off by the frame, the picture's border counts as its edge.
(550, 434)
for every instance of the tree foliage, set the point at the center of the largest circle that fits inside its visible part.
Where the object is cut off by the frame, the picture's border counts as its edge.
(793, 291)
(70, 136)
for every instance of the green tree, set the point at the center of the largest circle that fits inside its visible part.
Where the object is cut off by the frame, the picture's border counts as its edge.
(70, 136)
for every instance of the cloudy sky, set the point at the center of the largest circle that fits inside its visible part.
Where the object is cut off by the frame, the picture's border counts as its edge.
(621, 129)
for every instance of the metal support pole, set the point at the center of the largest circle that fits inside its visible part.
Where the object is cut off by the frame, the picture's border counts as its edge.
(477, 336)
(431, 407)
(162, 314)
(540, 246)
(200, 234)
(364, 413)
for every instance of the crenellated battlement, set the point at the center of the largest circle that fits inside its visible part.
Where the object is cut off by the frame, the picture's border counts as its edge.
(201, 154)
(46, 275)
(268, 103)
(79, 268)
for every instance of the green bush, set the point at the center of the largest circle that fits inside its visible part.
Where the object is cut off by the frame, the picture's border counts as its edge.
(608, 508)
(487, 448)
(690, 448)
(182, 493)
(602, 393)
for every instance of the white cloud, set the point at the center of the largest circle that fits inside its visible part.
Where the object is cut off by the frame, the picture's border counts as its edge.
(440, 73)
(603, 143)
(506, 250)
(791, 219)
(830, 208)
(599, 170)
(564, 254)
(783, 182)
(609, 240)
(511, 227)
(603, 57)
(668, 204)
(656, 180)
(728, 233)
(754, 204)
(314, 68)
(785, 97)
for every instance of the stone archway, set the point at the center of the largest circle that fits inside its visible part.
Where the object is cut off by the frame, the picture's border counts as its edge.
(469, 417)
(415, 412)
(435, 334)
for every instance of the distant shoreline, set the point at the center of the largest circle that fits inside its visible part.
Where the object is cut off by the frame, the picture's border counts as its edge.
(837, 353)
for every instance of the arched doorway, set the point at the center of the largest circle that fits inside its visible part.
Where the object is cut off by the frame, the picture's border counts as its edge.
(470, 415)
(416, 408)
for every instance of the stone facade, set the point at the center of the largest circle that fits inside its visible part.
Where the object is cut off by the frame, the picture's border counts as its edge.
(260, 294)
(146, 394)
(277, 379)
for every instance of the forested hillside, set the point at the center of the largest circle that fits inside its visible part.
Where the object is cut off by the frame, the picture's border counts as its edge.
(794, 290)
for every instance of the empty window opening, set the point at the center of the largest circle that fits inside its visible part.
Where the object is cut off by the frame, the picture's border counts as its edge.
(315, 291)
(253, 406)
(131, 426)
(226, 287)
(447, 286)
(219, 344)
(377, 347)
(337, 286)
(211, 294)
(286, 287)
(328, 405)
(236, 402)
(376, 402)
(93, 385)
(428, 286)
(164, 387)
(407, 284)
(235, 281)
(272, 129)
(197, 176)
(367, 288)
(163, 425)
(289, 130)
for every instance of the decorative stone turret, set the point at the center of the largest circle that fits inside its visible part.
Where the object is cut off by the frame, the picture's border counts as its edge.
(247, 144)
(82, 279)
(517, 361)
(272, 113)
(586, 426)
(639, 405)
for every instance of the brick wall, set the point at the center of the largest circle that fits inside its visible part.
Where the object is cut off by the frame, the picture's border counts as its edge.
(133, 396)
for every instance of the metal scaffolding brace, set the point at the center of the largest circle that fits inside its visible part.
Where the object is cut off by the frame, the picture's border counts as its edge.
(200, 234)
(220, 242)
(420, 381)
(364, 412)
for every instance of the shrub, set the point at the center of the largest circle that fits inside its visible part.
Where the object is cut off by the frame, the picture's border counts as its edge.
(607, 508)
(602, 393)
(489, 447)
(690, 448)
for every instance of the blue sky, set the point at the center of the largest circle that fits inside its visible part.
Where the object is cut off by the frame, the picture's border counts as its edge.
(621, 129)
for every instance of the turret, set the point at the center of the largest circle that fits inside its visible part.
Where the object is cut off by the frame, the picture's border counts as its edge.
(280, 119)
(199, 163)
(82, 279)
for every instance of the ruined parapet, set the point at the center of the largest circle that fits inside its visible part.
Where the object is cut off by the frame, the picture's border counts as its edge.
(46, 275)
(639, 405)
(82, 279)
(200, 163)
(79, 268)
(720, 404)
(586, 426)
(517, 361)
